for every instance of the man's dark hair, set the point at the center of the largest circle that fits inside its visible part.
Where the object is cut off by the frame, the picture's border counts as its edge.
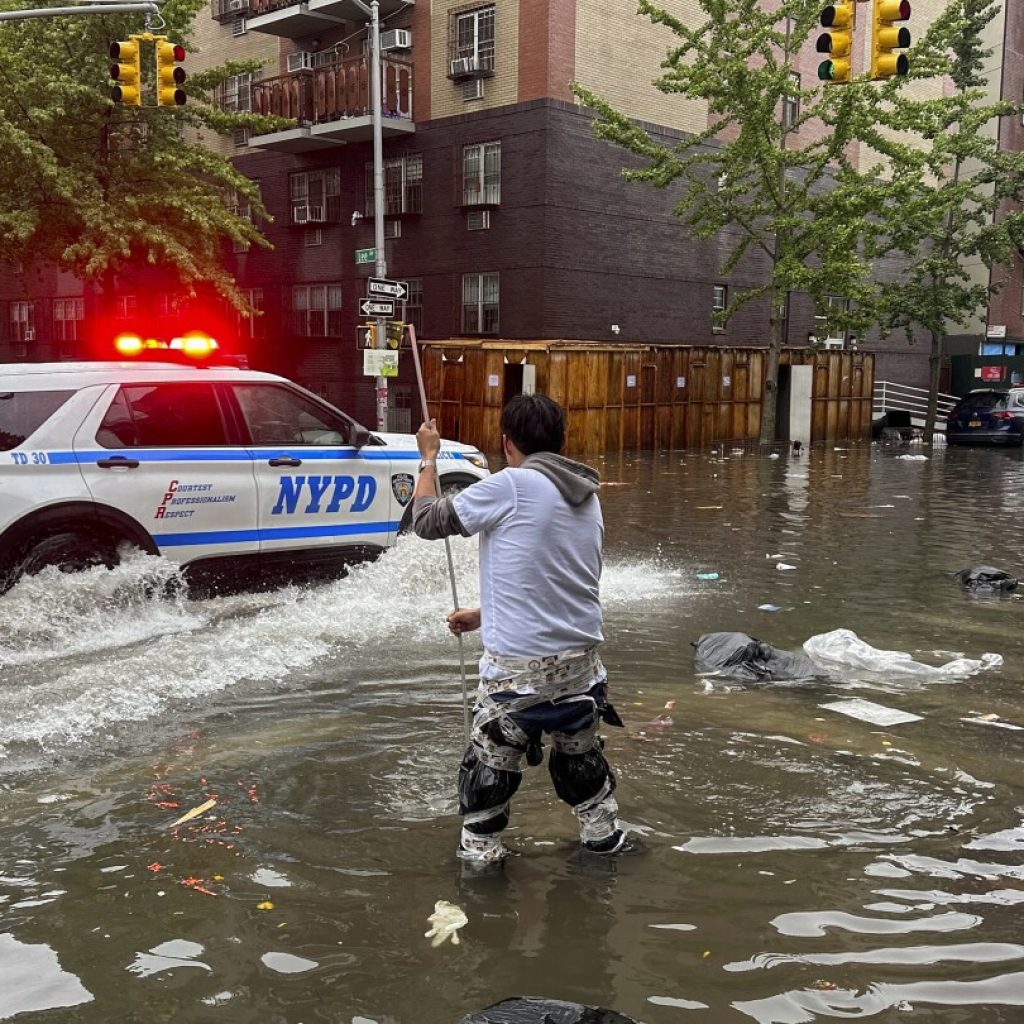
(534, 423)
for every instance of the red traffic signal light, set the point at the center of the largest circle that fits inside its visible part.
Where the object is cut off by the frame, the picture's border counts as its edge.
(887, 37)
(169, 77)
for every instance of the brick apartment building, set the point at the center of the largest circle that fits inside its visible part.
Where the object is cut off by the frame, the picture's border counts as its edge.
(504, 214)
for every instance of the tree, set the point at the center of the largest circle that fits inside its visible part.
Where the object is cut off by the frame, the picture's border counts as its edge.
(94, 187)
(750, 177)
(955, 195)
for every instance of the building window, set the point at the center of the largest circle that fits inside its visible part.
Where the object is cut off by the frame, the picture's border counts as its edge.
(23, 322)
(719, 300)
(834, 337)
(412, 311)
(252, 325)
(472, 37)
(125, 307)
(480, 303)
(236, 94)
(316, 310)
(316, 196)
(791, 101)
(481, 174)
(313, 237)
(403, 185)
(67, 315)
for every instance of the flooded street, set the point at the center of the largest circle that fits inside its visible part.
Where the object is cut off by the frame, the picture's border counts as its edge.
(800, 865)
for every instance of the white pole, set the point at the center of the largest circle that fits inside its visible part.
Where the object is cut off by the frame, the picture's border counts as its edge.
(447, 543)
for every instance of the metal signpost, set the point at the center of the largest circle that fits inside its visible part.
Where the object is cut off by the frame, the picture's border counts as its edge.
(380, 264)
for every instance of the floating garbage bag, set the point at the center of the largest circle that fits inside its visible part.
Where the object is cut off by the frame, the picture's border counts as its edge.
(738, 656)
(842, 648)
(985, 578)
(530, 1010)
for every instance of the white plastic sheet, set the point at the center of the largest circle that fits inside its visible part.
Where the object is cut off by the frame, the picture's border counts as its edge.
(842, 648)
(869, 711)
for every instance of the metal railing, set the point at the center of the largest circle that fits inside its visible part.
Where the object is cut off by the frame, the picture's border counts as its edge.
(901, 397)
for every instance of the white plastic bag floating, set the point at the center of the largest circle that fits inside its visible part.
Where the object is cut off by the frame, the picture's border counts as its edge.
(842, 648)
(445, 922)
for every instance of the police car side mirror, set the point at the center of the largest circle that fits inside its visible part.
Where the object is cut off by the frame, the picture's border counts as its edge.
(360, 436)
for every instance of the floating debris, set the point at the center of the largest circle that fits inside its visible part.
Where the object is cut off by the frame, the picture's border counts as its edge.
(445, 922)
(868, 711)
(195, 812)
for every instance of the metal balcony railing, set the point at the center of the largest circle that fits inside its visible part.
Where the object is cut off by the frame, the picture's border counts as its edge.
(335, 91)
(901, 397)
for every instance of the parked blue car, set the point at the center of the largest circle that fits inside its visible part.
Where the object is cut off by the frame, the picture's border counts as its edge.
(987, 416)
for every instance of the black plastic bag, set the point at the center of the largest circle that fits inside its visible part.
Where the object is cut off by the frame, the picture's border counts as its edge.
(985, 577)
(742, 657)
(531, 1010)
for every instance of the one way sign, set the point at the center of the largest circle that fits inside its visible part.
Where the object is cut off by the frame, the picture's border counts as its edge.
(377, 307)
(389, 289)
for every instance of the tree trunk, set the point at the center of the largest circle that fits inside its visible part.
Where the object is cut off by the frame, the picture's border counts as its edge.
(770, 395)
(934, 367)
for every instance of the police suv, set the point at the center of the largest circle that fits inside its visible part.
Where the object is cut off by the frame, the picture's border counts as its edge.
(219, 468)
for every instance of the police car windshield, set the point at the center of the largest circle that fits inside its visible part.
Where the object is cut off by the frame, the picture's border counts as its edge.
(22, 413)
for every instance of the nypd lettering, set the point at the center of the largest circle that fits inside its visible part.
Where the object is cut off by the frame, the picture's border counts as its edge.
(324, 494)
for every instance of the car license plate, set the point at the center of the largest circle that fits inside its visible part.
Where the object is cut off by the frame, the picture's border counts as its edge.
(974, 423)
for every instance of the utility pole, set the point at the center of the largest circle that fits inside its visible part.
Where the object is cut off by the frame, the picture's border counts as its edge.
(380, 264)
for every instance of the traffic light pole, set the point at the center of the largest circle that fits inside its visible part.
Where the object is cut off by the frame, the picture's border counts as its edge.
(380, 264)
(147, 6)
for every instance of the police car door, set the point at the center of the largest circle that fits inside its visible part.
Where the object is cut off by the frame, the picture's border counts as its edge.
(162, 453)
(318, 493)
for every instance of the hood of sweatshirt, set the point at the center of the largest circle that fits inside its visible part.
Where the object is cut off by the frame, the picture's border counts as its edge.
(575, 481)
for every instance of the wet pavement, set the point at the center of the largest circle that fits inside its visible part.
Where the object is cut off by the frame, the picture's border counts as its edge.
(800, 865)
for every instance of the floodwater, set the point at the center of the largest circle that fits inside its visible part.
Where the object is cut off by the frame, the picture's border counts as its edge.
(800, 865)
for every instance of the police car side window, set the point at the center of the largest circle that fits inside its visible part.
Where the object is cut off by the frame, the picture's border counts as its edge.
(178, 415)
(22, 413)
(277, 415)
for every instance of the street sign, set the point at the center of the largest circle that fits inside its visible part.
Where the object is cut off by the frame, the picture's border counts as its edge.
(377, 307)
(390, 289)
(380, 362)
(366, 256)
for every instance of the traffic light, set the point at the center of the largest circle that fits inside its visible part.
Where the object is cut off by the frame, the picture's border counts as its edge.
(126, 71)
(886, 37)
(837, 42)
(169, 77)
(395, 333)
(366, 336)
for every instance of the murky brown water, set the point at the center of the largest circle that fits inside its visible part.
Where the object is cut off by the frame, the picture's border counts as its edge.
(800, 865)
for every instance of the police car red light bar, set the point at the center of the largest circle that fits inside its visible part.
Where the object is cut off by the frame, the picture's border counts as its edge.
(195, 344)
(129, 344)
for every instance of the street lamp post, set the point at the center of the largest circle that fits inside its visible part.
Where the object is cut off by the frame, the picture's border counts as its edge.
(380, 264)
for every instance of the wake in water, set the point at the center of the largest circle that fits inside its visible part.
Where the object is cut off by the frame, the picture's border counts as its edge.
(79, 653)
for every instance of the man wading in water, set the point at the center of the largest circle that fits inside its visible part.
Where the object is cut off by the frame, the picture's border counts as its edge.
(541, 534)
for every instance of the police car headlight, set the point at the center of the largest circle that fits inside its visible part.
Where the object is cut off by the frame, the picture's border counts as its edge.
(477, 459)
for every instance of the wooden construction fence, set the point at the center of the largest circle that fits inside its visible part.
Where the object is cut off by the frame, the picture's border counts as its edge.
(638, 397)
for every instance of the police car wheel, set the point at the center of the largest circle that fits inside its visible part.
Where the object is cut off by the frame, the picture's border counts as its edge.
(69, 552)
(451, 483)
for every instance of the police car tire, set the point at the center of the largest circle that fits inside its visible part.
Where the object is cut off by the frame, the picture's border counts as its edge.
(451, 483)
(69, 551)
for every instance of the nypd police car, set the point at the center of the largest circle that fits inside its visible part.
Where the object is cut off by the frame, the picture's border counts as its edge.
(220, 469)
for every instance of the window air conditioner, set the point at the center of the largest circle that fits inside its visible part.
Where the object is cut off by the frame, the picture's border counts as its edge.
(29, 335)
(301, 61)
(300, 214)
(396, 39)
(237, 5)
(463, 66)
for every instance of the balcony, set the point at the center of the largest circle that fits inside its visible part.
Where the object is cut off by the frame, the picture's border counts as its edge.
(229, 10)
(332, 105)
(295, 20)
